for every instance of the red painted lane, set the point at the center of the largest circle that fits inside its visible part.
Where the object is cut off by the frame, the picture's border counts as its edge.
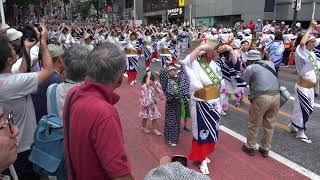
(228, 162)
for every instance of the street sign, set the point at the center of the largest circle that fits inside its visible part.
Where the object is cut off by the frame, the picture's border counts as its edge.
(182, 3)
(298, 4)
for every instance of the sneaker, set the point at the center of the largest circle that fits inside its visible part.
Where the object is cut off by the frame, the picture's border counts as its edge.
(223, 113)
(249, 151)
(264, 153)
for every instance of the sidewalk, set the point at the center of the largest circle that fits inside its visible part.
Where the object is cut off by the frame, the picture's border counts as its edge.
(228, 161)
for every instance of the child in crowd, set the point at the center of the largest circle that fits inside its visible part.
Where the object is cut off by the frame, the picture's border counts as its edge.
(176, 89)
(150, 92)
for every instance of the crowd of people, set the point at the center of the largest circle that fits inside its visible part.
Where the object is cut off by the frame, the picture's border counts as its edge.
(72, 69)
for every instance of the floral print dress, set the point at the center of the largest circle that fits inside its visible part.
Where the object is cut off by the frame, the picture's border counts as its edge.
(148, 101)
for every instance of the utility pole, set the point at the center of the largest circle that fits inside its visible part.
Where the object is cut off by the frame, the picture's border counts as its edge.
(190, 15)
(295, 13)
(3, 20)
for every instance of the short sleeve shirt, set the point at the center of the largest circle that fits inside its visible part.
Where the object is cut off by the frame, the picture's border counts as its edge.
(15, 96)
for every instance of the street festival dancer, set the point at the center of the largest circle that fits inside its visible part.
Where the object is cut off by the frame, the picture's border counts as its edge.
(205, 75)
(307, 69)
(147, 47)
(132, 58)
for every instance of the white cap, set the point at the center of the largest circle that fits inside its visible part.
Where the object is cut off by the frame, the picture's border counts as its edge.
(236, 43)
(298, 24)
(13, 34)
(214, 30)
(224, 30)
(229, 30)
(283, 23)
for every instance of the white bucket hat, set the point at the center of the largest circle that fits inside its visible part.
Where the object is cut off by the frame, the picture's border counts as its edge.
(13, 34)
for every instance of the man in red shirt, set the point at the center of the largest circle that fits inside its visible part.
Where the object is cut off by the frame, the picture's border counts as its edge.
(251, 26)
(96, 140)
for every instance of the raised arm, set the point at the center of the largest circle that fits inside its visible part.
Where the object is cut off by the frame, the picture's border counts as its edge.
(47, 68)
(232, 55)
(304, 39)
(195, 53)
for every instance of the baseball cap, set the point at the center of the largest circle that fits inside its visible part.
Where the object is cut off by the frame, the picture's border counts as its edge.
(55, 50)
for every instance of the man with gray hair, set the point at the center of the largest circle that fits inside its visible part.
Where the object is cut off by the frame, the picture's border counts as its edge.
(94, 143)
(75, 69)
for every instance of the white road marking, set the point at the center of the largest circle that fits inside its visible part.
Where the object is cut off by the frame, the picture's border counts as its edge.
(315, 104)
(276, 156)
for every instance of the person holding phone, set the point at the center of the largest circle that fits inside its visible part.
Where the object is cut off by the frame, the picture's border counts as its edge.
(15, 96)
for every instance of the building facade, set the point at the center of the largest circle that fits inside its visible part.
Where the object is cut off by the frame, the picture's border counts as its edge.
(215, 12)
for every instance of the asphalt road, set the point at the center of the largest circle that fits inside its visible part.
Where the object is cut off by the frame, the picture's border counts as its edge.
(284, 143)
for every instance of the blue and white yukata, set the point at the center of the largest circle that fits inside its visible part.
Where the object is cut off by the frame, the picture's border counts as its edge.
(148, 50)
(205, 114)
(171, 46)
(275, 52)
(307, 68)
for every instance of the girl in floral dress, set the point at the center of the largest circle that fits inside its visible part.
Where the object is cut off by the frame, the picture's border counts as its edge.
(150, 92)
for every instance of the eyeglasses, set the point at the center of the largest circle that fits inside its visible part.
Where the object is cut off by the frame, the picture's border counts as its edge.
(9, 121)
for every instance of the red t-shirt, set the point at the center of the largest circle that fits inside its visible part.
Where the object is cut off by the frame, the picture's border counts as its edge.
(96, 139)
(251, 26)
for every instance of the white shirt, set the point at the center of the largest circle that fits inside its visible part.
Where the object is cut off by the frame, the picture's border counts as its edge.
(34, 53)
(15, 96)
(304, 67)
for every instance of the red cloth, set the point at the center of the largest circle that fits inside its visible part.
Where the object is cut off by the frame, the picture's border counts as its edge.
(251, 26)
(174, 60)
(96, 138)
(132, 76)
(291, 59)
(148, 63)
(155, 55)
(199, 152)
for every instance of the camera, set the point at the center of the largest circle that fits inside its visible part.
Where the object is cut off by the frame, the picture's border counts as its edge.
(29, 33)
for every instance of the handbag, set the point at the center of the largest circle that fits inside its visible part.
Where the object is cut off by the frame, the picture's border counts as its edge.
(284, 93)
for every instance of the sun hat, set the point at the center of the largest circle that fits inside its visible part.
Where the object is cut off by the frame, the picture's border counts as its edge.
(55, 50)
(253, 55)
(13, 34)
(174, 171)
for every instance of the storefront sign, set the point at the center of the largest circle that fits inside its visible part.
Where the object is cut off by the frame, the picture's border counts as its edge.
(175, 12)
(182, 3)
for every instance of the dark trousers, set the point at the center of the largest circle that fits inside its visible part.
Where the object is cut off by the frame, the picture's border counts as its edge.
(23, 167)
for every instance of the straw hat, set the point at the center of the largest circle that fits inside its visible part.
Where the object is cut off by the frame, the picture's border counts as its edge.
(212, 43)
